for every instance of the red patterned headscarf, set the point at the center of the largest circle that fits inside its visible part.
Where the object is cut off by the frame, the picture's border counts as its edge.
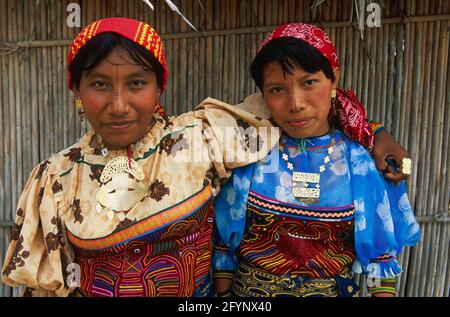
(350, 113)
(136, 31)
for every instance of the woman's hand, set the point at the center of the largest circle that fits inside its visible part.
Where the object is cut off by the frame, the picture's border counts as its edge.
(387, 148)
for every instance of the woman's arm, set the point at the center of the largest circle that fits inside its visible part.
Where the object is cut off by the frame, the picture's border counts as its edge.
(37, 254)
(385, 146)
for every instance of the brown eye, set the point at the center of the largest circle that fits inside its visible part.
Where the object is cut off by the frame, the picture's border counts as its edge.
(99, 84)
(276, 90)
(137, 83)
(310, 82)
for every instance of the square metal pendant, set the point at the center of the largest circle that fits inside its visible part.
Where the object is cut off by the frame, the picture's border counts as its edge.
(300, 192)
(306, 177)
(306, 195)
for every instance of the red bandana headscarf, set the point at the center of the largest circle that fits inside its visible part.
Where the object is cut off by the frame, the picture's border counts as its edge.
(136, 31)
(350, 113)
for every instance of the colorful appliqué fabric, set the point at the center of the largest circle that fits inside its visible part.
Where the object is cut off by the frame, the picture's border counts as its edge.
(170, 261)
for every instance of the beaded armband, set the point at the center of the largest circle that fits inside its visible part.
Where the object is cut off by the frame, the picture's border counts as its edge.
(376, 127)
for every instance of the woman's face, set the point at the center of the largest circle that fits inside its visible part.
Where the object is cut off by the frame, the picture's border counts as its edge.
(119, 98)
(299, 102)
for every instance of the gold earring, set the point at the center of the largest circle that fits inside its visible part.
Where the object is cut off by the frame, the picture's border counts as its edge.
(78, 104)
(333, 100)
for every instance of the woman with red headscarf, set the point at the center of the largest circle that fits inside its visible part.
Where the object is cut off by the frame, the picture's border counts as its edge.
(127, 209)
(298, 222)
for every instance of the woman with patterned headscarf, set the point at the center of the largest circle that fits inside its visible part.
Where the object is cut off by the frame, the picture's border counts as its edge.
(127, 210)
(298, 222)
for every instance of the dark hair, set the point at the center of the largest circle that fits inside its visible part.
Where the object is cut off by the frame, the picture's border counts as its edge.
(90, 55)
(290, 52)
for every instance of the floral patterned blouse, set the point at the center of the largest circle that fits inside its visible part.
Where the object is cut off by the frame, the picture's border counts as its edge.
(62, 245)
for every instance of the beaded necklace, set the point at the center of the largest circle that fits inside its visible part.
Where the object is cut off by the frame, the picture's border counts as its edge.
(306, 186)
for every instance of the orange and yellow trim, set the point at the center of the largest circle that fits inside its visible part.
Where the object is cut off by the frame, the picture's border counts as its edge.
(137, 31)
(153, 222)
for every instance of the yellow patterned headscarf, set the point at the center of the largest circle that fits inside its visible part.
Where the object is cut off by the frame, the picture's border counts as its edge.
(136, 31)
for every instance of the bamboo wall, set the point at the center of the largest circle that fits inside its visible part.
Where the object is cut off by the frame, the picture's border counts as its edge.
(400, 71)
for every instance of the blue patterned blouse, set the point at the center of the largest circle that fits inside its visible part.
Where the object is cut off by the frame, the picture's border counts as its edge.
(382, 219)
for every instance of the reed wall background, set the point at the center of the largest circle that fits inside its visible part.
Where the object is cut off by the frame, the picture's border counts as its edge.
(400, 71)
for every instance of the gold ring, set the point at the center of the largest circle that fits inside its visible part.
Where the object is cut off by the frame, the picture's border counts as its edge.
(406, 166)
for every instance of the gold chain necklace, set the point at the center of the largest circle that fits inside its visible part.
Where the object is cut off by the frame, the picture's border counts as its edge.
(305, 193)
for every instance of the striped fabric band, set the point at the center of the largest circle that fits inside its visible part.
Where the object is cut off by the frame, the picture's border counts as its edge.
(376, 127)
(386, 286)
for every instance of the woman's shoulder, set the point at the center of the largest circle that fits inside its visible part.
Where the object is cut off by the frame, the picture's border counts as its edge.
(351, 148)
(64, 159)
(182, 120)
(340, 136)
